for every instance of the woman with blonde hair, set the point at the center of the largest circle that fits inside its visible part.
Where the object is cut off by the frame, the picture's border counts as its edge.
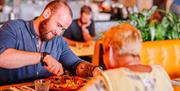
(121, 45)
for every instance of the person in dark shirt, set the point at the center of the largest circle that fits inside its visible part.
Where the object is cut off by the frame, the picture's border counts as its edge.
(82, 29)
(1, 5)
(35, 49)
(175, 6)
(169, 5)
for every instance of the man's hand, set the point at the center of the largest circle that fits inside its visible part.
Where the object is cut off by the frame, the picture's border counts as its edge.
(53, 65)
(86, 69)
(85, 26)
(86, 35)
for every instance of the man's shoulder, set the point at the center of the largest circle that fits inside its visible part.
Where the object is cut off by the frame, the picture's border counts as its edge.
(75, 21)
(92, 21)
(12, 25)
(58, 39)
(16, 23)
(74, 24)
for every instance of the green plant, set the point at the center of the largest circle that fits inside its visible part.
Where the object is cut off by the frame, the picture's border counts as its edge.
(151, 29)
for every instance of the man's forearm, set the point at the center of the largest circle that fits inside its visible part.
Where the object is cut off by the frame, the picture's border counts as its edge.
(12, 58)
(70, 42)
(74, 43)
(87, 36)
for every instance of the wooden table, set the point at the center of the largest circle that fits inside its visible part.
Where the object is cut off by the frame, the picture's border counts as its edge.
(20, 84)
(176, 88)
(83, 51)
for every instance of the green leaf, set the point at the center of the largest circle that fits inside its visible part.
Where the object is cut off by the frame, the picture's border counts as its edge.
(167, 28)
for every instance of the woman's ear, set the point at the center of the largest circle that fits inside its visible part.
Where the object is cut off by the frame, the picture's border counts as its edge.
(47, 13)
(106, 56)
(111, 58)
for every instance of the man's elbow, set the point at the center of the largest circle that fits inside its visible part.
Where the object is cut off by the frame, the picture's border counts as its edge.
(4, 59)
(3, 63)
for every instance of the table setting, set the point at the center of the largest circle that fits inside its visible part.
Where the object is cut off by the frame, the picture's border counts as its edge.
(53, 83)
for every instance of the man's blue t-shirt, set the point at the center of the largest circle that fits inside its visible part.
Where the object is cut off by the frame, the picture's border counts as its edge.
(20, 35)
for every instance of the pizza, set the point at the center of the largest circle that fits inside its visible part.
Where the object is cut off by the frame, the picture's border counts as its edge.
(66, 83)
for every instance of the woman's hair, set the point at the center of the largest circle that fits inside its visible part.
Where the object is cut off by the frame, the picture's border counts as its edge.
(123, 38)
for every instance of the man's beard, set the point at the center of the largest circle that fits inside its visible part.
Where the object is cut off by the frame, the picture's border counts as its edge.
(44, 31)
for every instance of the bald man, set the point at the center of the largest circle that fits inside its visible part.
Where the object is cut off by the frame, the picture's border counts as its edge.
(35, 49)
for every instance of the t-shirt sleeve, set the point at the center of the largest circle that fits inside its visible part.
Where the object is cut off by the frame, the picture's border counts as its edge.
(92, 29)
(7, 37)
(68, 59)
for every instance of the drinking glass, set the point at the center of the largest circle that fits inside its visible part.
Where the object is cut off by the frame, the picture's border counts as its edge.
(42, 84)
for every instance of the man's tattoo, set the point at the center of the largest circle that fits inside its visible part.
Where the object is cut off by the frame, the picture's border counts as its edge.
(85, 69)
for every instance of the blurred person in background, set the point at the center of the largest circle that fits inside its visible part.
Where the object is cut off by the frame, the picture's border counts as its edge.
(4, 11)
(175, 6)
(1, 5)
(163, 4)
(81, 29)
(35, 49)
(169, 5)
(122, 8)
(144, 4)
(121, 45)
